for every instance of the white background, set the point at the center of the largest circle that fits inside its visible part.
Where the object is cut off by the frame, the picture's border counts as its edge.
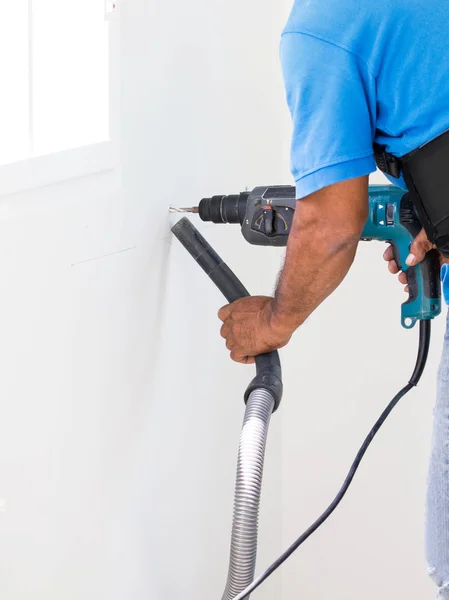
(120, 411)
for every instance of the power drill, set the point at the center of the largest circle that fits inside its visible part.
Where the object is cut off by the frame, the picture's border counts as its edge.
(266, 217)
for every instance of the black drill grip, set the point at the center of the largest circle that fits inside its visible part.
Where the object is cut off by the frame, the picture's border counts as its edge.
(430, 268)
(268, 366)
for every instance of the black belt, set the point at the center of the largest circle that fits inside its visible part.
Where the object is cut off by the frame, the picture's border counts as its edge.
(426, 173)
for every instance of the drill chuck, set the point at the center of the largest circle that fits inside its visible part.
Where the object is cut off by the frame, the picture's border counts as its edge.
(224, 209)
(265, 214)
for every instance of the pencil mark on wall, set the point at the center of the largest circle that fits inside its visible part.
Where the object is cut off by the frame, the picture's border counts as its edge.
(103, 256)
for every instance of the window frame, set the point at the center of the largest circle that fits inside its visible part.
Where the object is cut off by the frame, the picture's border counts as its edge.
(48, 169)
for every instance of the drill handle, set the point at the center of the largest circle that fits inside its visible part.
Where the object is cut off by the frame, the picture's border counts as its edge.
(424, 301)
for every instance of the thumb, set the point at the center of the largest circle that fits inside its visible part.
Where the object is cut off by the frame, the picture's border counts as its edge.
(418, 249)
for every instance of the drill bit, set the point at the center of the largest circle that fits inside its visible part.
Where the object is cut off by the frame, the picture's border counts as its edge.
(193, 209)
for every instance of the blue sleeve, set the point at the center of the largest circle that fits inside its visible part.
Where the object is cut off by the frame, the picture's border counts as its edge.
(332, 99)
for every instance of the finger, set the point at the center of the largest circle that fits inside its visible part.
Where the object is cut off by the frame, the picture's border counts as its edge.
(230, 344)
(224, 312)
(406, 290)
(402, 278)
(418, 249)
(225, 330)
(389, 254)
(393, 267)
(240, 358)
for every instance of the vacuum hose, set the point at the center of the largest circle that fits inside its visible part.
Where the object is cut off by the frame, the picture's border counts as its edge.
(262, 398)
(248, 486)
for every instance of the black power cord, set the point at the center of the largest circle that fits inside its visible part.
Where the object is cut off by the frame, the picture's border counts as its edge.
(423, 351)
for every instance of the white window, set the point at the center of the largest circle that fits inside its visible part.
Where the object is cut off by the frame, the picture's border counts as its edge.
(54, 88)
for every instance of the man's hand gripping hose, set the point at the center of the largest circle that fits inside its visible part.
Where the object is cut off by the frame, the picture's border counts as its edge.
(263, 397)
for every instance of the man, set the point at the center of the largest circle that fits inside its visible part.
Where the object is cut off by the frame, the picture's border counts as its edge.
(356, 73)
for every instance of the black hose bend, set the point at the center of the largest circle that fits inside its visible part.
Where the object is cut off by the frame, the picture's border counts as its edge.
(268, 366)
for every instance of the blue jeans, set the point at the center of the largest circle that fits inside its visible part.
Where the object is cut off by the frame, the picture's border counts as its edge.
(437, 513)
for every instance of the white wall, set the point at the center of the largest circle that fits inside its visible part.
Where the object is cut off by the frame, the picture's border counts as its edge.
(120, 411)
(202, 118)
(66, 372)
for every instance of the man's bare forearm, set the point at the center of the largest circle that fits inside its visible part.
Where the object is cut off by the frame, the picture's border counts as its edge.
(314, 267)
(320, 251)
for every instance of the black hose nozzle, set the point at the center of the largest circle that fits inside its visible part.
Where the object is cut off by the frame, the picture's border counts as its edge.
(268, 366)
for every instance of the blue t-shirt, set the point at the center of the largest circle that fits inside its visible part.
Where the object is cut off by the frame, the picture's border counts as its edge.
(358, 71)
